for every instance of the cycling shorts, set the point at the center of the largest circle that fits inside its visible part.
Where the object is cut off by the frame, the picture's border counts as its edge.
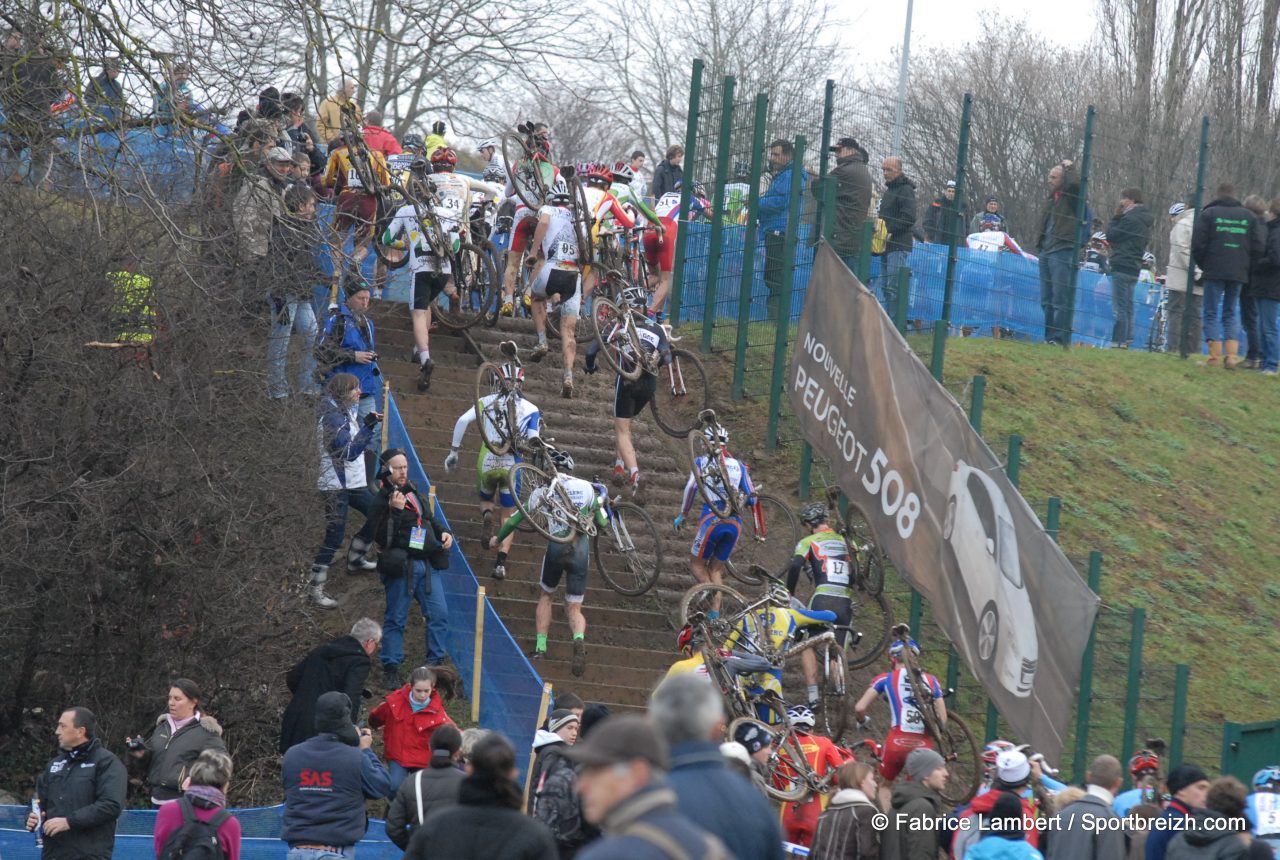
(522, 227)
(491, 477)
(630, 398)
(356, 209)
(716, 538)
(841, 606)
(660, 251)
(570, 558)
(562, 282)
(426, 287)
(897, 746)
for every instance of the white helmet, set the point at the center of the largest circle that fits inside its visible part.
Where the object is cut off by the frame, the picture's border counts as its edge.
(801, 716)
(488, 143)
(717, 433)
(559, 192)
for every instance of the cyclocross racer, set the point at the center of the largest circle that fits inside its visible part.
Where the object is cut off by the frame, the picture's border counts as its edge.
(907, 731)
(559, 275)
(660, 248)
(716, 538)
(824, 555)
(525, 220)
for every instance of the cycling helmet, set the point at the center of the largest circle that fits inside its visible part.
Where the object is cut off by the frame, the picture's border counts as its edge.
(444, 159)
(636, 297)
(1267, 778)
(623, 173)
(895, 650)
(741, 170)
(686, 638)
(563, 460)
(1149, 259)
(511, 373)
(813, 513)
(487, 143)
(699, 190)
(559, 192)
(1177, 209)
(800, 715)
(413, 140)
(717, 433)
(1144, 761)
(993, 749)
(599, 174)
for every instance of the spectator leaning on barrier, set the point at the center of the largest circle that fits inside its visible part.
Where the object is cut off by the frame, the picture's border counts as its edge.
(1226, 241)
(668, 171)
(1054, 244)
(340, 666)
(327, 779)
(898, 211)
(853, 199)
(330, 114)
(204, 799)
(1187, 785)
(182, 732)
(1220, 830)
(623, 792)
(431, 788)
(1089, 828)
(846, 830)
(688, 714)
(1128, 234)
(81, 792)
(774, 208)
(916, 805)
(942, 221)
(1264, 283)
(990, 218)
(1175, 278)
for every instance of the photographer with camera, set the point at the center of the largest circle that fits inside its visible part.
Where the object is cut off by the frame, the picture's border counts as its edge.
(180, 735)
(347, 346)
(410, 536)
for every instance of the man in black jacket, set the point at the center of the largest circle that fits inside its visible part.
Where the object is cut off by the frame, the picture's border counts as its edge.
(942, 222)
(81, 793)
(898, 211)
(1226, 242)
(1128, 234)
(1055, 244)
(853, 199)
(338, 666)
(668, 171)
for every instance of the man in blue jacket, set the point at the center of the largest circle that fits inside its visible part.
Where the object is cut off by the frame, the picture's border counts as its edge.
(347, 346)
(327, 779)
(689, 714)
(774, 209)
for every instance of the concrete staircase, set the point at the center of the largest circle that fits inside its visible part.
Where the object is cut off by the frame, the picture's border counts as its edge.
(630, 640)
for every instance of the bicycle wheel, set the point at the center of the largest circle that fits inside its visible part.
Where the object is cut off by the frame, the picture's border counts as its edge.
(836, 702)
(703, 599)
(582, 332)
(710, 478)
(786, 774)
(473, 277)
(959, 749)
(629, 550)
(870, 557)
(873, 618)
(582, 218)
(526, 178)
(496, 420)
(769, 548)
(619, 353)
(684, 390)
(391, 257)
(549, 509)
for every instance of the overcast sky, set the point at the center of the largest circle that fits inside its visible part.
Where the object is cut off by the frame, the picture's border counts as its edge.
(874, 27)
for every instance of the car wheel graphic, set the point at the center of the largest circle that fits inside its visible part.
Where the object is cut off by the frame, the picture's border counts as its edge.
(949, 521)
(988, 633)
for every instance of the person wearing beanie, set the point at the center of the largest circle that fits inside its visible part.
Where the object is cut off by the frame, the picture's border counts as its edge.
(554, 800)
(429, 789)
(1012, 774)
(1089, 828)
(914, 799)
(562, 730)
(592, 715)
(756, 739)
(1220, 829)
(1002, 834)
(1188, 786)
(327, 779)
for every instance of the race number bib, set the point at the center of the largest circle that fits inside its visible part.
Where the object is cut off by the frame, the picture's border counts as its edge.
(837, 571)
(353, 178)
(1267, 807)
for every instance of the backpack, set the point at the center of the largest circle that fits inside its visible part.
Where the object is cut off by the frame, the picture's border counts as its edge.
(195, 839)
(879, 238)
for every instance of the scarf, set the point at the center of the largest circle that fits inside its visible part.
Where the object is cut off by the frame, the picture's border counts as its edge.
(174, 725)
(206, 796)
(419, 706)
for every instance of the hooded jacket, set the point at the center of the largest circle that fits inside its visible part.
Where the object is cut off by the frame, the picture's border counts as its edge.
(1081, 840)
(1180, 254)
(343, 337)
(1128, 235)
(481, 826)
(1210, 837)
(406, 735)
(1226, 241)
(993, 846)
(170, 753)
(556, 802)
(853, 200)
(338, 666)
(898, 209)
(845, 830)
(963, 840)
(914, 801)
(1058, 221)
(86, 786)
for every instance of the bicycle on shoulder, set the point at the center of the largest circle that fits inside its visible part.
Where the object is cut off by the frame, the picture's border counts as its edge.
(549, 497)
(628, 548)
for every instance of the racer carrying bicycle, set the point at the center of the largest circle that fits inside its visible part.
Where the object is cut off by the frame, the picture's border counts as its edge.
(716, 537)
(626, 195)
(570, 558)
(1144, 768)
(357, 206)
(492, 469)
(824, 555)
(800, 819)
(525, 220)
(660, 248)
(907, 730)
(559, 275)
(631, 396)
(605, 210)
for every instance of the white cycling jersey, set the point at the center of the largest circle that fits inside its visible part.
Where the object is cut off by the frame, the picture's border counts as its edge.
(560, 242)
(582, 493)
(528, 419)
(453, 196)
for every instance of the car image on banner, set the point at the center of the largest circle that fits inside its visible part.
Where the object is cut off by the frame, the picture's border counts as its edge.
(979, 529)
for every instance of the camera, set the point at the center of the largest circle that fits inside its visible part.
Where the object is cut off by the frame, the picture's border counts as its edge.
(136, 744)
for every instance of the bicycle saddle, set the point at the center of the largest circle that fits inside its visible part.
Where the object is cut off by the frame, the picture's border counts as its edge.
(823, 616)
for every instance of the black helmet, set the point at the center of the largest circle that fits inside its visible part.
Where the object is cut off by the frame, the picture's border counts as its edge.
(813, 513)
(413, 140)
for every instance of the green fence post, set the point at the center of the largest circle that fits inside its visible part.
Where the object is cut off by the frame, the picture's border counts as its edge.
(828, 227)
(1081, 208)
(1051, 518)
(864, 252)
(939, 349)
(784, 298)
(1013, 467)
(917, 610)
(806, 471)
(824, 206)
(747, 283)
(1085, 705)
(902, 300)
(690, 147)
(723, 145)
(976, 398)
(1131, 699)
(1177, 734)
(962, 157)
(1184, 336)
(991, 730)
(953, 675)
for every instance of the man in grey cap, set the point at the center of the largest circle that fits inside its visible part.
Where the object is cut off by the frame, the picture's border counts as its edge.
(916, 799)
(622, 764)
(853, 199)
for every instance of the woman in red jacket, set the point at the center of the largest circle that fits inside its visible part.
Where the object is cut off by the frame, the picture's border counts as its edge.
(407, 717)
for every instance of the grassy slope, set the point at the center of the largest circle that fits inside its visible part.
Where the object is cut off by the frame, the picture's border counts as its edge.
(1169, 469)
